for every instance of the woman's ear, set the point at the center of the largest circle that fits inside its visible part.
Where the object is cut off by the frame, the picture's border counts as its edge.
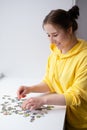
(69, 30)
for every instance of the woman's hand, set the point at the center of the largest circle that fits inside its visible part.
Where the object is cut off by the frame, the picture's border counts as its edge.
(33, 103)
(22, 91)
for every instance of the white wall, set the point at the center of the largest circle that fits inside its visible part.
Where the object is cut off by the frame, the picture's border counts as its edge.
(82, 21)
(24, 46)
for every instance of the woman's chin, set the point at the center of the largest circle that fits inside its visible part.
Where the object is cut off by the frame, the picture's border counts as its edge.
(59, 46)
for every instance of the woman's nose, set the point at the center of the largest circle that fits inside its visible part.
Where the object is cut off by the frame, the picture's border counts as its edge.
(51, 39)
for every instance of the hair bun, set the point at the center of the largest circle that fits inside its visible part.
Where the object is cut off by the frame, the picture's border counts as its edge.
(73, 12)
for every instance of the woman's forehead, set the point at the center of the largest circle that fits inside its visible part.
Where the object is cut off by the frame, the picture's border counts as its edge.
(49, 28)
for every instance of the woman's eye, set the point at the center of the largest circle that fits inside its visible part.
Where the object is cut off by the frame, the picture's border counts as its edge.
(48, 35)
(55, 35)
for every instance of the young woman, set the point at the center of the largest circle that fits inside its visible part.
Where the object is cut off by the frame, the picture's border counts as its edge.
(65, 80)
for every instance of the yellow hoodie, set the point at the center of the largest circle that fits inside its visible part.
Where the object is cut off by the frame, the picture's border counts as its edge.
(67, 74)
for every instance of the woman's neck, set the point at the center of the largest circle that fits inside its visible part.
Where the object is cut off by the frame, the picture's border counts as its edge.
(73, 42)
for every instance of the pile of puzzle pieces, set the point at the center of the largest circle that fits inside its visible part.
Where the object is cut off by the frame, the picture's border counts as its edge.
(11, 105)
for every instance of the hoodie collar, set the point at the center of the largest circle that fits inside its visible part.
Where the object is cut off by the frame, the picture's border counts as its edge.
(73, 51)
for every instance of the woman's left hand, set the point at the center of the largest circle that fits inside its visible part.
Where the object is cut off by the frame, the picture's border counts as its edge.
(33, 103)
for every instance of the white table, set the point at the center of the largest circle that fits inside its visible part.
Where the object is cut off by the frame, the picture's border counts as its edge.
(54, 120)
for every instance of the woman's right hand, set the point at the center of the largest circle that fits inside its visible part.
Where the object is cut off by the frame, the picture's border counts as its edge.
(22, 91)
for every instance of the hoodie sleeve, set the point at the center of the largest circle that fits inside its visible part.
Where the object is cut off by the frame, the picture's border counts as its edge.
(46, 76)
(78, 91)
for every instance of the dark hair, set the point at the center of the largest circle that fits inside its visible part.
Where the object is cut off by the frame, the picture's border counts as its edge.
(62, 18)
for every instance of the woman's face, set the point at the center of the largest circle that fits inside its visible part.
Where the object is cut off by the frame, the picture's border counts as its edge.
(61, 38)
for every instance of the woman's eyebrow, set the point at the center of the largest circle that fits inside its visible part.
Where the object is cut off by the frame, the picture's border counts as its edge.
(53, 33)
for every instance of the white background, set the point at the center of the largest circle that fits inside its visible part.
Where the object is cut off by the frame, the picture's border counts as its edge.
(24, 46)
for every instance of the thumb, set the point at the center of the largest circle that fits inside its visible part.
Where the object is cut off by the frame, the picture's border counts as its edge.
(23, 94)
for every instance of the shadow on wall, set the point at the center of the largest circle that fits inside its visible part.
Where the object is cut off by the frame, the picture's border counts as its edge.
(82, 21)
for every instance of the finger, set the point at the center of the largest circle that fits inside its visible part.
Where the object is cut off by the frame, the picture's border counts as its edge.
(20, 91)
(27, 104)
(23, 96)
(18, 95)
(23, 93)
(24, 104)
(32, 104)
(33, 107)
